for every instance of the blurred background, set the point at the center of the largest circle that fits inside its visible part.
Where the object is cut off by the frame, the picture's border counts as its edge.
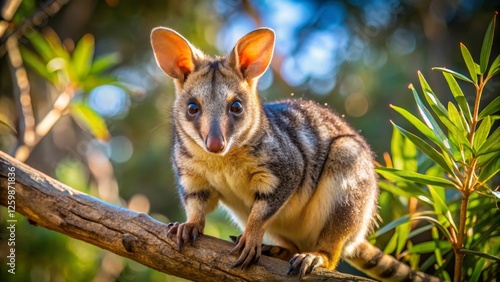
(113, 140)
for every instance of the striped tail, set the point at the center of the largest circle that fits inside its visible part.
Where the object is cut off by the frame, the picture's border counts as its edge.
(373, 262)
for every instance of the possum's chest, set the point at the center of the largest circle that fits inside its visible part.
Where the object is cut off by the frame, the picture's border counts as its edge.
(236, 179)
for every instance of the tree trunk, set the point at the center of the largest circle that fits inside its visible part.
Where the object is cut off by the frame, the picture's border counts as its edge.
(48, 203)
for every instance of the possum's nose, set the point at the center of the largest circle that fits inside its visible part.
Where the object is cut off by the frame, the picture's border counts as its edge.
(215, 143)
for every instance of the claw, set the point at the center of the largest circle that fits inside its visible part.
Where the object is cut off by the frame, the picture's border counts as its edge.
(249, 251)
(304, 264)
(235, 239)
(184, 233)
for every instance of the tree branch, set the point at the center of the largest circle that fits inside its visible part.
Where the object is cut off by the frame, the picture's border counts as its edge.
(55, 206)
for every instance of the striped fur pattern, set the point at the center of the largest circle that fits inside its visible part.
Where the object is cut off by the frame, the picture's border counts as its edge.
(290, 173)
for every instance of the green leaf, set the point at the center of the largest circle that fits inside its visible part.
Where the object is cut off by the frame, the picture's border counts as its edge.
(41, 45)
(90, 120)
(55, 44)
(430, 246)
(436, 223)
(457, 118)
(416, 177)
(424, 129)
(437, 251)
(489, 170)
(495, 67)
(485, 158)
(491, 108)
(482, 132)
(431, 98)
(478, 268)
(397, 150)
(34, 62)
(8, 125)
(431, 122)
(393, 224)
(480, 254)
(442, 113)
(442, 211)
(492, 144)
(459, 95)
(93, 81)
(403, 231)
(486, 48)
(82, 56)
(104, 62)
(426, 149)
(454, 73)
(469, 62)
(420, 230)
(406, 191)
(391, 246)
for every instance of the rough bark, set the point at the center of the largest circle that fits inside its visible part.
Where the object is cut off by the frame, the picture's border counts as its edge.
(50, 204)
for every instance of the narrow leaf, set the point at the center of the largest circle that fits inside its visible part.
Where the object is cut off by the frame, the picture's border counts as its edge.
(391, 246)
(416, 177)
(487, 42)
(454, 73)
(406, 191)
(426, 149)
(55, 44)
(34, 62)
(90, 120)
(478, 268)
(405, 218)
(458, 94)
(489, 170)
(469, 62)
(397, 150)
(82, 56)
(430, 246)
(403, 231)
(492, 144)
(491, 108)
(480, 254)
(104, 62)
(430, 121)
(482, 132)
(393, 224)
(424, 129)
(437, 250)
(495, 67)
(457, 119)
(41, 45)
(410, 155)
(436, 223)
(8, 125)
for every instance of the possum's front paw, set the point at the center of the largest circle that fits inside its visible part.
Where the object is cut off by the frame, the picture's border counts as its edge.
(305, 263)
(249, 249)
(184, 232)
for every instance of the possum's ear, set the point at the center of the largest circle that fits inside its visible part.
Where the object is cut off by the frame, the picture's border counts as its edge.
(253, 52)
(173, 53)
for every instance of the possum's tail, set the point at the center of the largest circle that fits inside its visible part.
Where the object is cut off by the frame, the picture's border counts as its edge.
(373, 262)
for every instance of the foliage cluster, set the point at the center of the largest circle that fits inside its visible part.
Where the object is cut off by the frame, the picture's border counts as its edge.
(446, 178)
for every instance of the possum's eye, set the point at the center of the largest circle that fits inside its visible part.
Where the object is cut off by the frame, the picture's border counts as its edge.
(236, 107)
(193, 109)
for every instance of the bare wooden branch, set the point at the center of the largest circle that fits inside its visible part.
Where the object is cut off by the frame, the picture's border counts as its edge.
(23, 100)
(55, 206)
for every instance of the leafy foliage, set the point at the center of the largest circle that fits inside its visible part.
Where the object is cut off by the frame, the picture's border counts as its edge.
(78, 71)
(452, 182)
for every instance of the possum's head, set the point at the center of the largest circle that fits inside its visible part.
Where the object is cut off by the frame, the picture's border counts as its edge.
(216, 105)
